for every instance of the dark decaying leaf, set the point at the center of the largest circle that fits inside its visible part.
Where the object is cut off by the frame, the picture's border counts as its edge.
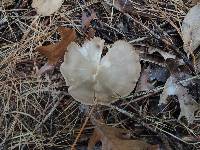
(117, 139)
(158, 73)
(150, 76)
(56, 51)
(187, 103)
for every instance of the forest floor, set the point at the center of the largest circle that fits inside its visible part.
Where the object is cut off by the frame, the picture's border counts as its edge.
(37, 112)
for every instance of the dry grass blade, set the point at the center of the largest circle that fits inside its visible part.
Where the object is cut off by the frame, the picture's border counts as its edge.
(82, 128)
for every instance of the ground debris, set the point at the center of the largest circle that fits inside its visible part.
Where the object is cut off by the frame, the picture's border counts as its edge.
(191, 30)
(39, 112)
(56, 51)
(187, 103)
(118, 139)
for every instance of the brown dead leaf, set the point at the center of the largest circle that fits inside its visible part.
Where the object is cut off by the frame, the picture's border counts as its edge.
(55, 51)
(187, 103)
(117, 139)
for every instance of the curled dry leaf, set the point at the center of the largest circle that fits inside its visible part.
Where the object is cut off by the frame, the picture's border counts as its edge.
(46, 7)
(95, 80)
(173, 87)
(191, 30)
(117, 139)
(55, 51)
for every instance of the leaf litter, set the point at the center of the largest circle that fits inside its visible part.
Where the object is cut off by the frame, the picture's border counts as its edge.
(118, 139)
(56, 51)
(191, 29)
(86, 23)
(43, 113)
(187, 103)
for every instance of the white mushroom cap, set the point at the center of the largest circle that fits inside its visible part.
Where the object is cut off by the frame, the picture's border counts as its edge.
(46, 7)
(93, 80)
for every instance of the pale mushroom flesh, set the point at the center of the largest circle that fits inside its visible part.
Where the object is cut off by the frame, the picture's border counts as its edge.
(93, 79)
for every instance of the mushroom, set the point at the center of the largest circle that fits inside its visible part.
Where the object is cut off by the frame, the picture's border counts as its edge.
(93, 79)
(46, 7)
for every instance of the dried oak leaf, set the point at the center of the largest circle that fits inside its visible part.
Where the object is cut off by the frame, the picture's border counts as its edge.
(100, 80)
(173, 87)
(191, 30)
(117, 139)
(55, 51)
(46, 7)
